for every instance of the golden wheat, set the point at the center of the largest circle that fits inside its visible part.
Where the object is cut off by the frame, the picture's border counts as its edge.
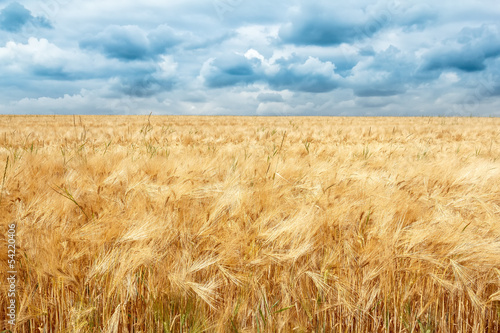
(248, 224)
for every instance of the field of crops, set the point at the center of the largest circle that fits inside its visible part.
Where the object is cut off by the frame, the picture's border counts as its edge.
(251, 224)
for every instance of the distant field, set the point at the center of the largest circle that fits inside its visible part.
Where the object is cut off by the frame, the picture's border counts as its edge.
(251, 224)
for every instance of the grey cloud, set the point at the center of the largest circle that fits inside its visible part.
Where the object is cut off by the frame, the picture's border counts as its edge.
(230, 70)
(417, 16)
(270, 97)
(328, 24)
(388, 73)
(296, 74)
(367, 51)
(144, 80)
(163, 38)
(371, 91)
(53, 73)
(131, 42)
(317, 25)
(121, 42)
(144, 86)
(14, 17)
(195, 97)
(312, 83)
(195, 42)
(374, 102)
(475, 45)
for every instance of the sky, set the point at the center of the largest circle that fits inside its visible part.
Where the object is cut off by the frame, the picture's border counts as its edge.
(242, 57)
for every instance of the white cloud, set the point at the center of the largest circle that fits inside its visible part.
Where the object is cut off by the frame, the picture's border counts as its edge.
(315, 66)
(36, 51)
(168, 67)
(269, 66)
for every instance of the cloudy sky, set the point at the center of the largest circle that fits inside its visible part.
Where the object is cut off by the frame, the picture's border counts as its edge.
(247, 57)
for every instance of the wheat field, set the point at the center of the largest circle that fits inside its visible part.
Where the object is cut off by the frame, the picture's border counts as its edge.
(252, 224)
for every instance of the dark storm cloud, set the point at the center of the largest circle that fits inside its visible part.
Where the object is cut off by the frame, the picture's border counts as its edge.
(14, 17)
